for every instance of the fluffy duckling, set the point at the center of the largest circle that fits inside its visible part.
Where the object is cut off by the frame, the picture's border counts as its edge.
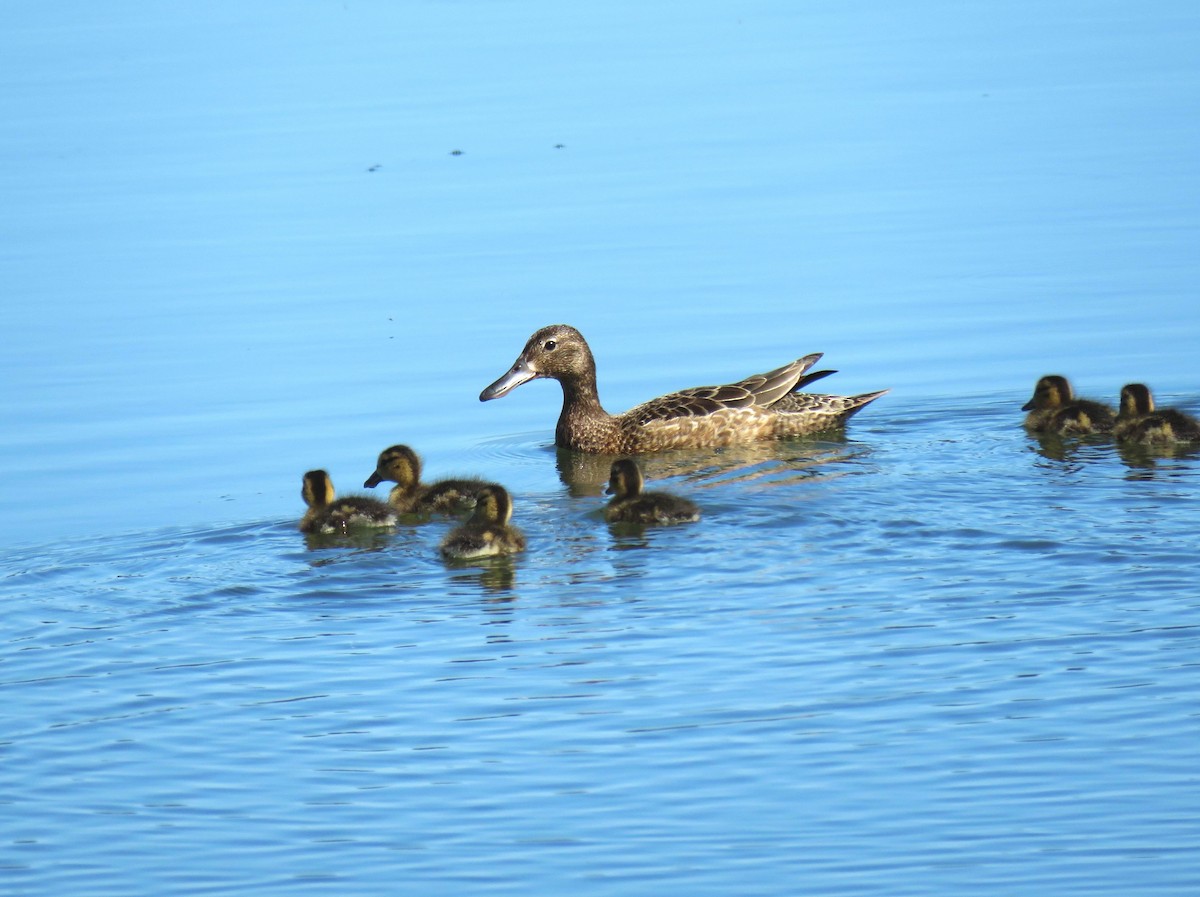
(1055, 410)
(1139, 421)
(488, 532)
(631, 505)
(329, 514)
(401, 465)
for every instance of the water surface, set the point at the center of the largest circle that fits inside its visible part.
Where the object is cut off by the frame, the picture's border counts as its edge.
(930, 655)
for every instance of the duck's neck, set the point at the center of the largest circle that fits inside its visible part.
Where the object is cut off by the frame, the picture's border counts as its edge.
(583, 422)
(404, 496)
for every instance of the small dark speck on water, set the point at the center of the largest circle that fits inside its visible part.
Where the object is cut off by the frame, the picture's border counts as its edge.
(456, 152)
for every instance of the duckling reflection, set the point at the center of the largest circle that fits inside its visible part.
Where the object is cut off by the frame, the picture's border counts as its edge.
(1054, 409)
(1151, 460)
(488, 532)
(496, 576)
(399, 464)
(1141, 423)
(328, 514)
(362, 539)
(630, 504)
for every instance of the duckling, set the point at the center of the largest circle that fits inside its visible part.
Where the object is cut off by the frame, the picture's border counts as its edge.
(328, 514)
(1139, 421)
(1055, 410)
(488, 532)
(399, 464)
(631, 505)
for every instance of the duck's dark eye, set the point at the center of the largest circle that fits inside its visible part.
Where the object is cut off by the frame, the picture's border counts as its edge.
(550, 345)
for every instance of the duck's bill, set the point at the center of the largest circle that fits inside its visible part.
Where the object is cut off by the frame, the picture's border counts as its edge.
(1028, 406)
(373, 480)
(519, 373)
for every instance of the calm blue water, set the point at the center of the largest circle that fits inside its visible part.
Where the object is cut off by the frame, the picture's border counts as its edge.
(934, 657)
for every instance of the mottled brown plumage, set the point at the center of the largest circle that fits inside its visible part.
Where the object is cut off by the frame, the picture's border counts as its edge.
(764, 406)
(399, 464)
(1139, 421)
(1053, 409)
(328, 514)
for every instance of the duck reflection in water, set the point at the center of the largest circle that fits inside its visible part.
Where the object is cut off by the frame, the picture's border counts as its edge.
(1158, 460)
(777, 463)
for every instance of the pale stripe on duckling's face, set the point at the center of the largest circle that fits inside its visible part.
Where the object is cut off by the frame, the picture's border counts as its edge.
(492, 505)
(317, 490)
(1136, 400)
(625, 479)
(397, 464)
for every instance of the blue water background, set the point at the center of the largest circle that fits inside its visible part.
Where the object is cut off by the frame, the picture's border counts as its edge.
(243, 240)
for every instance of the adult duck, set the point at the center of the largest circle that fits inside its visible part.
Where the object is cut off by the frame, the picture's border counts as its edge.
(764, 406)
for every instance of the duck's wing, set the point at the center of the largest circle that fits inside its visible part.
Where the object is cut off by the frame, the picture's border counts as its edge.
(811, 377)
(761, 390)
(816, 404)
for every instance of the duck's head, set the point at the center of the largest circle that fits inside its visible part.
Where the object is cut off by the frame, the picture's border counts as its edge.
(1136, 400)
(624, 479)
(397, 464)
(317, 490)
(492, 505)
(1051, 391)
(558, 351)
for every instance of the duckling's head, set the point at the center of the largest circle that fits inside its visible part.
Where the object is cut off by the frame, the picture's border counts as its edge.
(492, 506)
(397, 464)
(1136, 400)
(1051, 391)
(558, 351)
(624, 479)
(318, 489)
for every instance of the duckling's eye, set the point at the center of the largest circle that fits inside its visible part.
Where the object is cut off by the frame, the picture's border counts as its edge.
(550, 345)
